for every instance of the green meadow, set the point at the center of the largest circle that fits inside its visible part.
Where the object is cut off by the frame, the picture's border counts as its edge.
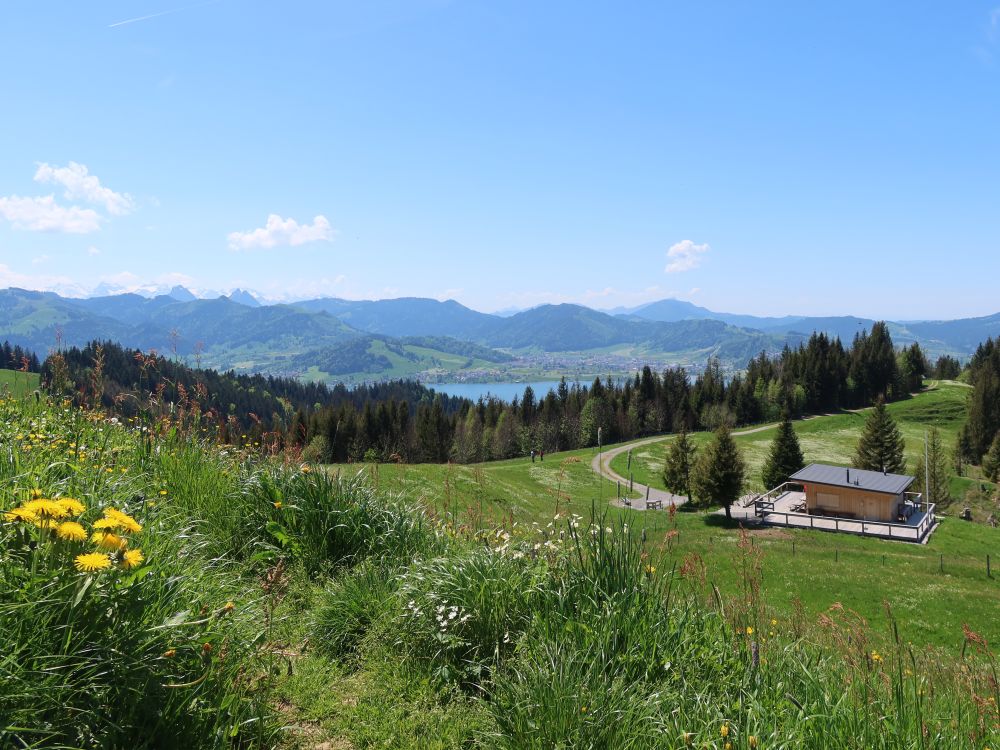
(935, 588)
(17, 383)
(161, 591)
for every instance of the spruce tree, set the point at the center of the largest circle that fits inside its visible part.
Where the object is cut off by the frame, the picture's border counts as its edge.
(881, 445)
(720, 471)
(991, 461)
(785, 457)
(677, 468)
(935, 472)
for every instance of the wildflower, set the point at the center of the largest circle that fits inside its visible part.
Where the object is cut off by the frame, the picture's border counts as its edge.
(228, 607)
(305, 469)
(71, 531)
(688, 738)
(773, 621)
(583, 709)
(876, 657)
(650, 569)
(163, 492)
(46, 509)
(92, 561)
(107, 540)
(749, 630)
(132, 558)
(21, 514)
(724, 730)
(106, 523)
(277, 504)
(752, 741)
(728, 745)
(125, 521)
(170, 653)
(206, 648)
(71, 505)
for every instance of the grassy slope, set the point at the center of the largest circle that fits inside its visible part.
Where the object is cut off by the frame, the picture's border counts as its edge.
(822, 569)
(19, 383)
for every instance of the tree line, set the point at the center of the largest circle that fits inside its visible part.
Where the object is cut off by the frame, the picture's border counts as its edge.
(17, 358)
(818, 376)
(405, 421)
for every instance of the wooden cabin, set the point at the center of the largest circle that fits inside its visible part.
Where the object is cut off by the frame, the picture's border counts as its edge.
(853, 493)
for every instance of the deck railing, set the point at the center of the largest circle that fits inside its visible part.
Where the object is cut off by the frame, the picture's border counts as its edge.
(859, 526)
(771, 495)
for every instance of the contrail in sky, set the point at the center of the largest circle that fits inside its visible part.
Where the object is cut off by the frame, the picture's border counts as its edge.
(161, 13)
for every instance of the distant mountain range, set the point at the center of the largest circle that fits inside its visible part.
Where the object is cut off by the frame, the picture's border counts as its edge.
(343, 339)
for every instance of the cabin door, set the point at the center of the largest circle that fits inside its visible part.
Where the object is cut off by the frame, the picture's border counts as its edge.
(873, 510)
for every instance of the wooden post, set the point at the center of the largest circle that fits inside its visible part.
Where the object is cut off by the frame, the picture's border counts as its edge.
(631, 482)
(883, 560)
(836, 554)
(647, 494)
(619, 484)
(793, 548)
(941, 565)
(988, 573)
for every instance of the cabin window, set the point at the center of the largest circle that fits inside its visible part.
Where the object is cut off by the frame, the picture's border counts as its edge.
(830, 502)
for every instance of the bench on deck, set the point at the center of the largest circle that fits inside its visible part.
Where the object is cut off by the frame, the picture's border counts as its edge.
(654, 505)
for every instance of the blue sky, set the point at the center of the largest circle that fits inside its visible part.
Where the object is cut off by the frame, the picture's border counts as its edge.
(768, 158)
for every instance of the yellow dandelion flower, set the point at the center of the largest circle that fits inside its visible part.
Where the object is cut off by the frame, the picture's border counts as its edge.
(71, 531)
(91, 562)
(163, 492)
(45, 508)
(749, 630)
(773, 621)
(876, 656)
(132, 559)
(106, 523)
(71, 505)
(35, 493)
(277, 504)
(650, 569)
(724, 729)
(228, 607)
(170, 653)
(107, 540)
(728, 745)
(21, 514)
(125, 521)
(752, 740)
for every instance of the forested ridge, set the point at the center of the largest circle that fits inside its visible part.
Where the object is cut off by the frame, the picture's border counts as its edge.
(405, 421)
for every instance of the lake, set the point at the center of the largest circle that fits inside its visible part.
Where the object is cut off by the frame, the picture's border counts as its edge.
(503, 391)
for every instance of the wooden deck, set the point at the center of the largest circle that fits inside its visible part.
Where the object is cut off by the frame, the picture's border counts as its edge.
(787, 509)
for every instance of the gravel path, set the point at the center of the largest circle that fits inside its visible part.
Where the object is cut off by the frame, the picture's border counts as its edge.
(601, 465)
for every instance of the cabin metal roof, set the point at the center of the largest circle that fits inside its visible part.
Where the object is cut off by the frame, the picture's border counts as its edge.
(859, 479)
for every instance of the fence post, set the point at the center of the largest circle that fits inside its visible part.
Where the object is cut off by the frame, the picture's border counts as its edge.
(793, 548)
(836, 554)
(941, 565)
(631, 482)
(619, 489)
(988, 573)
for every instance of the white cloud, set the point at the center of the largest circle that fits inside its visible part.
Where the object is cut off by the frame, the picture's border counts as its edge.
(684, 256)
(81, 185)
(92, 251)
(280, 232)
(45, 215)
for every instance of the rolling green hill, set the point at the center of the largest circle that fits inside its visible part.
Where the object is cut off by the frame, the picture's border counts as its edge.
(819, 570)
